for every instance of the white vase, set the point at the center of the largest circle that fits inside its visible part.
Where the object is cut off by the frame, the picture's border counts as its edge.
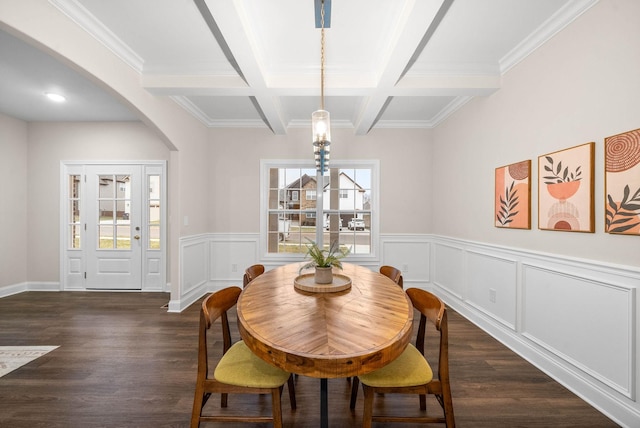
(324, 275)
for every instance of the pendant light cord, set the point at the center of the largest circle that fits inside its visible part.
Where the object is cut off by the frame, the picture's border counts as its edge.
(322, 57)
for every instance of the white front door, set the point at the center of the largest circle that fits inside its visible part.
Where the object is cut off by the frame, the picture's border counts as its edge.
(114, 227)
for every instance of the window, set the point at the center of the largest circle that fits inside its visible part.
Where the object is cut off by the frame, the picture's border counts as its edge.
(349, 192)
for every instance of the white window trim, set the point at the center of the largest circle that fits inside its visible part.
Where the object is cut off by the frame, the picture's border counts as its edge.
(373, 164)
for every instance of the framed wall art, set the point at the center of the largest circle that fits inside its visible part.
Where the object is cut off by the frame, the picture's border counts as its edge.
(565, 190)
(513, 196)
(622, 183)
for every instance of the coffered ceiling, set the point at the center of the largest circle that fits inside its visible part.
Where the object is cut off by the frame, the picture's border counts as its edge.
(256, 63)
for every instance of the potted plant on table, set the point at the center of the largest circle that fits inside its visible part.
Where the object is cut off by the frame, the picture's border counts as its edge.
(324, 260)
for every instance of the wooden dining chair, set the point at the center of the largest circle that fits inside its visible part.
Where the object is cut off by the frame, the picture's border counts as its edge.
(394, 274)
(411, 373)
(238, 371)
(251, 273)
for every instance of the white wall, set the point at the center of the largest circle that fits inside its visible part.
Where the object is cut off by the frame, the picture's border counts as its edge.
(51, 143)
(566, 301)
(405, 174)
(580, 86)
(13, 201)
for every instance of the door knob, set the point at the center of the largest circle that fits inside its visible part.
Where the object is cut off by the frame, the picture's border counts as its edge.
(137, 237)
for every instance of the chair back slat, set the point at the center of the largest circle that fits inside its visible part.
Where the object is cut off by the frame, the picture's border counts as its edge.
(219, 303)
(251, 273)
(428, 305)
(392, 273)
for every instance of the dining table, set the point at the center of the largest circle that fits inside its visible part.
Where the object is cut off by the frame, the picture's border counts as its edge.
(360, 326)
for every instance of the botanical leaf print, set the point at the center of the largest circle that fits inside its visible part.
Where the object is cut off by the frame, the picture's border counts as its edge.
(560, 175)
(507, 205)
(620, 218)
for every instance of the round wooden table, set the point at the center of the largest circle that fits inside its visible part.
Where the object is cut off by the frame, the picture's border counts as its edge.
(325, 334)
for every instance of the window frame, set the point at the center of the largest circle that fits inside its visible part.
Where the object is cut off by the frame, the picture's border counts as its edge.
(267, 164)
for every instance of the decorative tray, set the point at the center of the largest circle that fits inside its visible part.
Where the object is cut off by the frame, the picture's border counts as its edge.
(307, 282)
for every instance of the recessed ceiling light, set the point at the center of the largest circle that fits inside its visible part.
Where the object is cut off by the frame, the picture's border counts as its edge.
(55, 97)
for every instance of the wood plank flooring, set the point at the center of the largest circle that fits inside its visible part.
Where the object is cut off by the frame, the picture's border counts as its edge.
(124, 361)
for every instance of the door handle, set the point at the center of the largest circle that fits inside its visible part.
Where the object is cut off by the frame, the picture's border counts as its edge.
(136, 237)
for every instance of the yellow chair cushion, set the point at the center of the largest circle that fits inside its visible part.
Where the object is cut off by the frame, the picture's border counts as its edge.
(409, 369)
(241, 367)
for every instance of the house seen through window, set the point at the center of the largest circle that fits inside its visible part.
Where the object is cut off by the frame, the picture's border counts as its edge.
(293, 214)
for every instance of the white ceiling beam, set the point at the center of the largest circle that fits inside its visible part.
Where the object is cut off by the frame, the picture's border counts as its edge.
(419, 21)
(447, 85)
(195, 85)
(230, 21)
(412, 85)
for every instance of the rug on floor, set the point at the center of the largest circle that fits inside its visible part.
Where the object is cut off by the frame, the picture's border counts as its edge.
(13, 357)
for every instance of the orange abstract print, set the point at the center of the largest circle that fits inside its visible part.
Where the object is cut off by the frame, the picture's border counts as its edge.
(565, 190)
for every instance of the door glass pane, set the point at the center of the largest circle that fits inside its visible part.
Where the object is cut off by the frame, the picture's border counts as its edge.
(122, 188)
(74, 239)
(106, 212)
(124, 237)
(73, 227)
(105, 236)
(114, 205)
(105, 186)
(74, 211)
(153, 241)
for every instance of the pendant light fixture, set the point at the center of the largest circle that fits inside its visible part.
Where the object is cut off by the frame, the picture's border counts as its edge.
(320, 120)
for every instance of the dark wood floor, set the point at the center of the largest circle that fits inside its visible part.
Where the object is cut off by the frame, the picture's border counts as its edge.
(124, 361)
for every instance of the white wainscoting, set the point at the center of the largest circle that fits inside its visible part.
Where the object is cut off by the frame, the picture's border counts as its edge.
(491, 288)
(587, 323)
(409, 253)
(574, 319)
(194, 271)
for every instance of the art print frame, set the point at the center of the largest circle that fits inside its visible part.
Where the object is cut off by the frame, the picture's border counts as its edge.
(566, 189)
(622, 183)
(512, 196)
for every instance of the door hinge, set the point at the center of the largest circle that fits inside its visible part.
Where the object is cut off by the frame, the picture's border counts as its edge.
(85, 275)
